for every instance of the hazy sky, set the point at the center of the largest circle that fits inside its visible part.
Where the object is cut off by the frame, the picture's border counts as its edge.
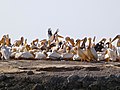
(75, 18)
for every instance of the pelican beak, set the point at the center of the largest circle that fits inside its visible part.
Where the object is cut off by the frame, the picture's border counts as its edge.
(103, 40)
(85, 39)
(115, 38)
(94, 38)
(44, 40)
(52, 38)
(60, 36)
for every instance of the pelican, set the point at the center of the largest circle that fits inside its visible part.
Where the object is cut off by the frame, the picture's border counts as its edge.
(54, 55)
(118, 44)
(57, 44)
(2, 41)
(68, 55)
(80, 52)
(19, 42)
(42, 42)
(41, 55)
(70, 41)
(93, 44)
(100, 45)
(17, 51)
(91, 53)
(62, 49)
(35, 42)
(49, 32)
(52, 38)
(6, 52)
(8, 40)
(83, 44)
(110, 52)
(24, 55)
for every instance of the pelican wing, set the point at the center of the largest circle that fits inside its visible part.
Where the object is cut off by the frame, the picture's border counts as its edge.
(49, 32)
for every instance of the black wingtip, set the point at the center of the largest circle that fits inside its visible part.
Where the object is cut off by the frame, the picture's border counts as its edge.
(49, 32)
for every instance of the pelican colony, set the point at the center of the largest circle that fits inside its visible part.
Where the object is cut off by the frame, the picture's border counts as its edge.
(57, 47)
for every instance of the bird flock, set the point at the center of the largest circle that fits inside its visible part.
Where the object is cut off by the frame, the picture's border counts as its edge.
(57, 47)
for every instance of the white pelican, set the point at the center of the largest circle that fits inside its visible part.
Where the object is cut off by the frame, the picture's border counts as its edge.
(68, 55)
(49, 32)
(19, 42)
(24, 55)
(118, 44)
(42, 43)
(93, 44)
(17, 51)
(35, 42)
(8, 40)
(83, 43)
(6, 52)
(54, 55)
(100, 45)
(55, 45)
(40, 55)
(52, 38)
(62, 49)
(91, 53)
(2, 41)
(110, 53)
(70, 41)
(80, 52)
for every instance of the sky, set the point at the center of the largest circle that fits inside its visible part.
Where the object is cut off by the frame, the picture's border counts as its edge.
(74, 18)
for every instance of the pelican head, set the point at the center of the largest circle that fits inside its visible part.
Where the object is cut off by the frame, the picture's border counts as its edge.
(103, 40)
(78, 40)
(84, 41)
(67, 38)
(89, 38)
(22, 39)
(110, 40)
(72, 39)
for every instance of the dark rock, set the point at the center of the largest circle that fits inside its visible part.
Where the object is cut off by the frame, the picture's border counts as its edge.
(37, 87)
(73, 78)
(2, 85)
(27, 79)
(56, 82)
(94, 87)
(92, 69)
(10, 77)
(30, 73)
(112, 76)
(117, 88)
(3, 77)
(73, 82)
(87, 80)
